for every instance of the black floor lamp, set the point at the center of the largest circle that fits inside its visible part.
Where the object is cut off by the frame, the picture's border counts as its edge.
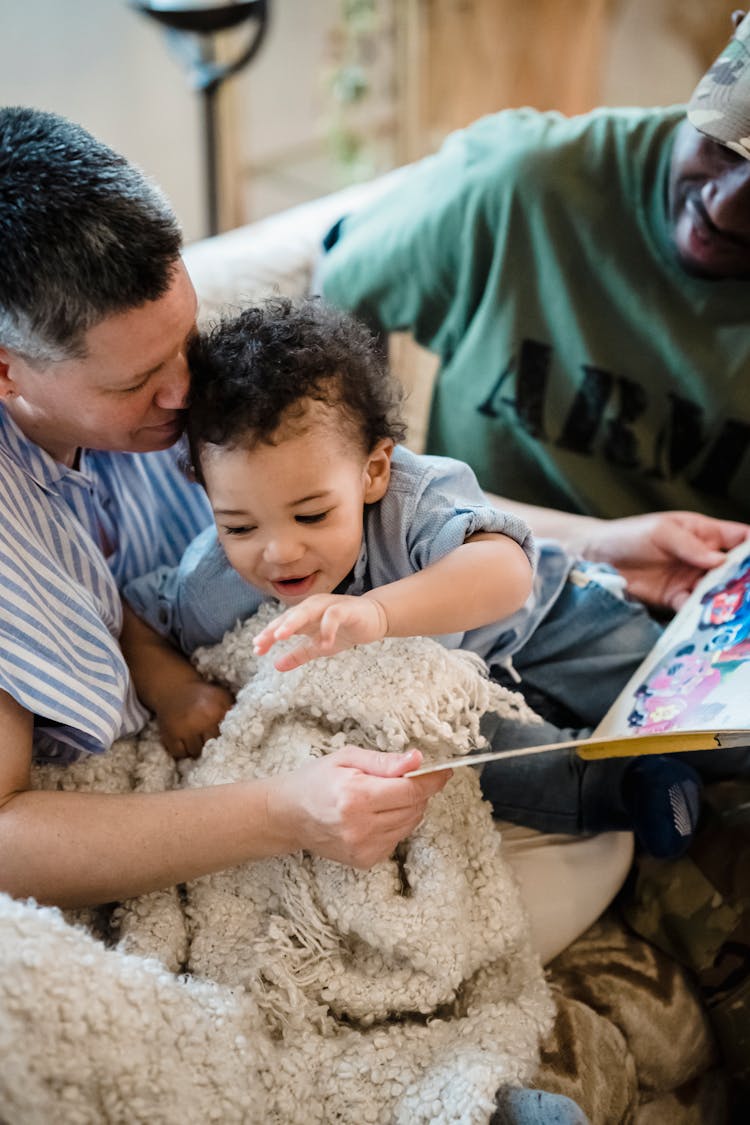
(190, 28)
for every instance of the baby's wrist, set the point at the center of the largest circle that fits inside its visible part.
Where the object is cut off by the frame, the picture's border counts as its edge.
(170, 694)
(383, 624)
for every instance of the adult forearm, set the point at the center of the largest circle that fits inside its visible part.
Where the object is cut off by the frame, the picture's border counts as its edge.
(82, 848)
(574, 531)
(74, 849)
(661, 555)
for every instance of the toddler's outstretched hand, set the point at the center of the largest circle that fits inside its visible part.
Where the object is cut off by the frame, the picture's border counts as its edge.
(332, 622)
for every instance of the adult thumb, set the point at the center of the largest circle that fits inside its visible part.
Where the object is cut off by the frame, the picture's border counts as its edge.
(379, 762)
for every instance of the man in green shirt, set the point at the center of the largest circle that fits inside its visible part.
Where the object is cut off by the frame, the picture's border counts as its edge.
(586, 285)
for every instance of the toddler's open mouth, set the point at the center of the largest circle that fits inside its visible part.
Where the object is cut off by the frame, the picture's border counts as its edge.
(294, 587)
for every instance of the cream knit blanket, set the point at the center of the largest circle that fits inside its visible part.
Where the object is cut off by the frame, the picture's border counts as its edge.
(292, 990)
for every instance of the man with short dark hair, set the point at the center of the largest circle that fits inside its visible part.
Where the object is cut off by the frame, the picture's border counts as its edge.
(96, 310)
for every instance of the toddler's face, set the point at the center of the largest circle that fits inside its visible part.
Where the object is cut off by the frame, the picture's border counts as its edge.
(290, 516)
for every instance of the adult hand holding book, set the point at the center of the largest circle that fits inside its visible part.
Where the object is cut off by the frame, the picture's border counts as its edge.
(690, 693)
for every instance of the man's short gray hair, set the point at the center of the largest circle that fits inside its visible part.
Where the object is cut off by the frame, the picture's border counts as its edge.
(83, 235)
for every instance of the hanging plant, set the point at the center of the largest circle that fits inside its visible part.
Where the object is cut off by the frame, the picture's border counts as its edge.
(356, 52)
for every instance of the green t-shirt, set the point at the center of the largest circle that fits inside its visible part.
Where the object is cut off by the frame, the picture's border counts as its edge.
(581, 367)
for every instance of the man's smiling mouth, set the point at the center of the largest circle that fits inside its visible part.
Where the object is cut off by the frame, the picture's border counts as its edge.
(706, 230)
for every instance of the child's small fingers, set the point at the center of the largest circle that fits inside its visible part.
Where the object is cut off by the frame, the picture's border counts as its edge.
(301, 619)
(330, 623)
(289, 629)
(283, 627)
(300, 655)
(265, 638)
(279, 630)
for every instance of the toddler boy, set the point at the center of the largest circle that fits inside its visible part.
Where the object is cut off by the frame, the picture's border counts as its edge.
(295, 433)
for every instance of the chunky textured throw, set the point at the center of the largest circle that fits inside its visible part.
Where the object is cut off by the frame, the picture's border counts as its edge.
(295, 989)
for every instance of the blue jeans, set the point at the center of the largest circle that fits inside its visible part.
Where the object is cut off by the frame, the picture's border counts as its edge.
(572, 669)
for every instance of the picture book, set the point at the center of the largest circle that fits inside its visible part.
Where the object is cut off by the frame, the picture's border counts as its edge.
(692, 692)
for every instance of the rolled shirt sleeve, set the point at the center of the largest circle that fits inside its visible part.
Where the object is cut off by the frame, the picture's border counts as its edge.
(434, 504)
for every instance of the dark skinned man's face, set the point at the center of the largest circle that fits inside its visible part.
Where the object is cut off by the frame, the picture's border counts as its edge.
(709, 203)
(709, 206)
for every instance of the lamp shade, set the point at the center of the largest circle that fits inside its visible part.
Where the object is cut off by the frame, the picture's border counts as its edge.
(197, 15)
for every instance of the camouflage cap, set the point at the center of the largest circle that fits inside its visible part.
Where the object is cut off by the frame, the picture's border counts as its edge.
(720, 105)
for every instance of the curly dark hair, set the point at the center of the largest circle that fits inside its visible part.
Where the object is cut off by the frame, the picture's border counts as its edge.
(252, 374)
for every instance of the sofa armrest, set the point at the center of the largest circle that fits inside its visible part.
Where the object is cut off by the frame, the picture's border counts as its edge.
(274, 255)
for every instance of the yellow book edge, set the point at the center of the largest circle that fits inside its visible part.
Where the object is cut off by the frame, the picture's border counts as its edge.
(688, 627)
(590, 749)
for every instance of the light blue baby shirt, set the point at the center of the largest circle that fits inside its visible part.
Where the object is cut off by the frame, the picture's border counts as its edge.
(430, 508)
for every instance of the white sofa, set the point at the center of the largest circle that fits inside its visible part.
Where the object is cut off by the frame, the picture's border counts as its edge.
(632, 1042)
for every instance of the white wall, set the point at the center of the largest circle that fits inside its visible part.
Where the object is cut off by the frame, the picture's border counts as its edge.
(107, 66)
(102, 64)
(646, 63)
(279, 109)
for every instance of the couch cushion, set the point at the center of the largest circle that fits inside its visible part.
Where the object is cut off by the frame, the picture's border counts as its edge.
(275, 255)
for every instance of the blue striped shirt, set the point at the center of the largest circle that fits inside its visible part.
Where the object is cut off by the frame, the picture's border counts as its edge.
(69, 540)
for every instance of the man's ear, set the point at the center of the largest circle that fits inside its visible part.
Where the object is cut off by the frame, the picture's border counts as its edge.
(378, 471)
(7, 388)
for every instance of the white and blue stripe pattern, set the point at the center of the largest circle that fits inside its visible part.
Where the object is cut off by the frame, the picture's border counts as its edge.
(60, 611)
